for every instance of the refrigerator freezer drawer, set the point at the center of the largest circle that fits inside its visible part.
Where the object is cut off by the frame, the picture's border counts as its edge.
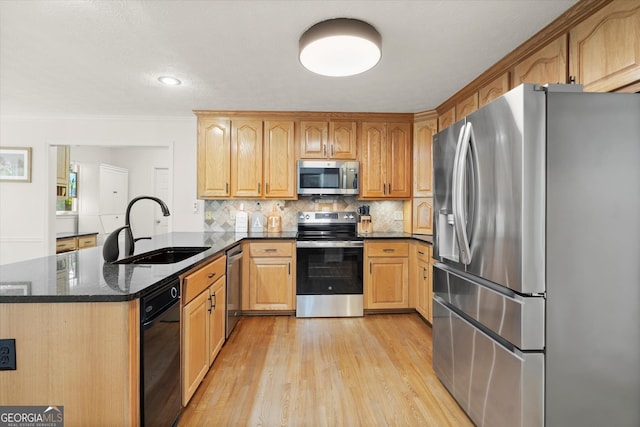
(495, 387)
(515, 318)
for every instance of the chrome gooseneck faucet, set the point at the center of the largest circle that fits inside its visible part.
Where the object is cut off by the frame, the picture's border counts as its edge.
(111, 249)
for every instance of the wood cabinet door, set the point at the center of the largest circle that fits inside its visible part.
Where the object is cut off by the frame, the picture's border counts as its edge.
(342, 139)
(604, 51)
(195, 344)
(388, 282)
(314, 139)
(62, 164)
(271, 285)
(214, 157)
(398, 163)
(373, 160)
(246, 158)
(447, 118)
(423, 133)
(279, 160)
(466, 106)
(547, 65)
(423, 215)
(423, 289)
(217, 317)
(493, 90)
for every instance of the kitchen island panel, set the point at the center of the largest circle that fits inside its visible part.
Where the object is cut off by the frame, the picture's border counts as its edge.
(83, 356)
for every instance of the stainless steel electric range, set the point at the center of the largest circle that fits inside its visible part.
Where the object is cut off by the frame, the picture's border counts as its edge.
(329, 253)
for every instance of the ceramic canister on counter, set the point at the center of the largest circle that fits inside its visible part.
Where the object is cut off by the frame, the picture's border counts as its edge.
(274, 222)
(257, 222)
(242, 220)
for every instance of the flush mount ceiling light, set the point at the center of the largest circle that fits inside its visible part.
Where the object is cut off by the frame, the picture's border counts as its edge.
(340, 47)
(169, 80)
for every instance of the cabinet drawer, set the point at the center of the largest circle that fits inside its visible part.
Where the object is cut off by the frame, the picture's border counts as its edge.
(199, 280)
(86, 242)
(270, 249)
(64, 245)
(387, 249)
(423, 252)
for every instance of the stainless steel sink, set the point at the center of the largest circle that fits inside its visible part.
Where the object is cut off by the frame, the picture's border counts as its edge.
(167, 255)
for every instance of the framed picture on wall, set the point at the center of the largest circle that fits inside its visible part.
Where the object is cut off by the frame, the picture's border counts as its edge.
(15, 164)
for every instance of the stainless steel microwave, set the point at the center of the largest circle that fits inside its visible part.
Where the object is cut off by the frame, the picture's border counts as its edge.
(327, 177)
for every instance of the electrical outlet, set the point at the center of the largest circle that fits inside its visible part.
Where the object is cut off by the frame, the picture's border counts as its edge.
(208, 215)
(397, 215)
(8, 355)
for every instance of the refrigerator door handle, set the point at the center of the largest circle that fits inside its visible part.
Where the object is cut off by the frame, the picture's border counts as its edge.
(459, 182)
(451, 215)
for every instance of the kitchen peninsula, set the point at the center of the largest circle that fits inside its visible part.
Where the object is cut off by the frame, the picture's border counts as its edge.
(76, 324)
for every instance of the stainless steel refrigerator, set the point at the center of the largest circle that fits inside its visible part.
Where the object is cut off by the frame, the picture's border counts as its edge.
(536, 317)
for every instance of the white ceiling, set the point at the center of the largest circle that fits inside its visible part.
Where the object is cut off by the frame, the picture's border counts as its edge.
(103, 57)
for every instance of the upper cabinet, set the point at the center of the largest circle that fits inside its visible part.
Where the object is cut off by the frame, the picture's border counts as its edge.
(385, 166)
(467, 106)
(246, 158)
(604, 50)
(62, 171)
(214, 157)
(447, 118)
(333, 139)
(423, 132)
(493, 90)
(62, 165)
(279, 160)
(546, 65)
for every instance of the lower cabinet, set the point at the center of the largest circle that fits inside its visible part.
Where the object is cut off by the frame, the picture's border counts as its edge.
(203, 322)
(73, 243)
(421, 269)
(386, 283)
(271, 275)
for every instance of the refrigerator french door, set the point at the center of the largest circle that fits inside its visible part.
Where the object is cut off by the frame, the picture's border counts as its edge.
(536, 234)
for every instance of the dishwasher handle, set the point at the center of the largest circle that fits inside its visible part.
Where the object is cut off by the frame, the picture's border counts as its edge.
(233, 254)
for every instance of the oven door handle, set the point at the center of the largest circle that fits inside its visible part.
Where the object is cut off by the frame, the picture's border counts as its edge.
(329, 244)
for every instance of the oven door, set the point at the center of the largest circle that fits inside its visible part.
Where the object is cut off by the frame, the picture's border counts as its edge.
(329, 267)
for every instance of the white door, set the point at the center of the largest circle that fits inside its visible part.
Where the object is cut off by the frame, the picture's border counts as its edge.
(161, 190)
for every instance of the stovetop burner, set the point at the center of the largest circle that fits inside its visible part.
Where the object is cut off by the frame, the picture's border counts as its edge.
(327, 226)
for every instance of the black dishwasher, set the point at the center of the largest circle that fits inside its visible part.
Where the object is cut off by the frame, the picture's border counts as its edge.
(160, 356)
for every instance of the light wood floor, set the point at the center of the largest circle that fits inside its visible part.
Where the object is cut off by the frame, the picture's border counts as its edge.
(283, 371)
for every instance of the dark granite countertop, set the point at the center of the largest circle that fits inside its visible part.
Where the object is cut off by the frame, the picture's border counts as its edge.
(69, 234)
(83, 276)
(397, 235)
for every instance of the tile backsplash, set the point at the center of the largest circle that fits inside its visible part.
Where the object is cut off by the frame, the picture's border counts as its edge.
(219, 215)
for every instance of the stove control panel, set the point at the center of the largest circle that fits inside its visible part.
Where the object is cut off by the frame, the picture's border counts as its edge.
(327, 217)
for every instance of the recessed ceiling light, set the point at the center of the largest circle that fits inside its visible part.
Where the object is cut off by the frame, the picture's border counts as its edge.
(169, 81)
(340, 47)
